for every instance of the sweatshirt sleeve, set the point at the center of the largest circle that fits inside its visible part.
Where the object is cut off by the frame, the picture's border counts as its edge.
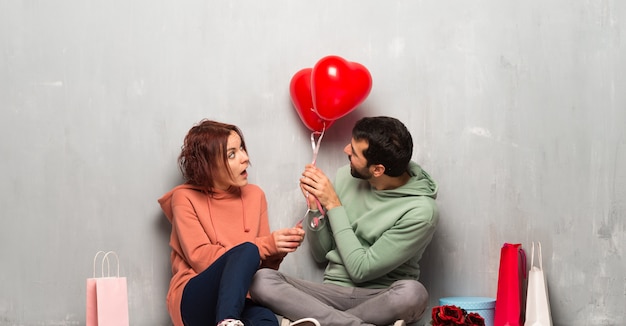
(409, 235)
(270, 257)
(318, 234)
(197, 248)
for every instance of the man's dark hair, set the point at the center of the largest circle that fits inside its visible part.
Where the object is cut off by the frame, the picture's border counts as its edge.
(389, 143)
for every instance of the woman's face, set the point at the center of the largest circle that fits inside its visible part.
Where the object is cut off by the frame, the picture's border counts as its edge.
(237, 163)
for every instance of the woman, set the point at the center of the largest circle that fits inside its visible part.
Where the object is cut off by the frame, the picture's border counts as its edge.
(220, 232)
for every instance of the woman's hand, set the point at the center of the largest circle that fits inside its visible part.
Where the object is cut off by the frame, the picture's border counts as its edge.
(289, 239)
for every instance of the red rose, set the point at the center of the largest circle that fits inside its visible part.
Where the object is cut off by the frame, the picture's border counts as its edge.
(448, 315)
(474, 319)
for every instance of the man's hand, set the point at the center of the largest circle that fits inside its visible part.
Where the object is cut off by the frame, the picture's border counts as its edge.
(316, 183)
(288, 240)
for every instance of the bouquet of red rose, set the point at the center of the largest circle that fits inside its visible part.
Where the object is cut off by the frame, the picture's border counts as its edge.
(448, 315)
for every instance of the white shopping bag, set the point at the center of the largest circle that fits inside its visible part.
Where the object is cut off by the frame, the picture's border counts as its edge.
(537, 301)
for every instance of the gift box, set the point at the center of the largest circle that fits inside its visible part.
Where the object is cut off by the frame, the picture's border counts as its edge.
(485, 307)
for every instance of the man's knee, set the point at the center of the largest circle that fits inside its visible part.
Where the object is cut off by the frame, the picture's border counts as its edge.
(412, 298)
(266, 275)
(262, 283)
(413, 290)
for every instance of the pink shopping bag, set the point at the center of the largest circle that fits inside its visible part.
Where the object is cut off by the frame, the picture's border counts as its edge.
(107, 296)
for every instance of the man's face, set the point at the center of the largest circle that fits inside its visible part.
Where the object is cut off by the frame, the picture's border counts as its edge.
(358, 163)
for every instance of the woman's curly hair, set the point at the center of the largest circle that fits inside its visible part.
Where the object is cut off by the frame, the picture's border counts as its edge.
(203, 153)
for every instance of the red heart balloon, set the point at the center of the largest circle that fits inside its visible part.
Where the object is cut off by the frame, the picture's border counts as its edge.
(338, 86)
(300, 91)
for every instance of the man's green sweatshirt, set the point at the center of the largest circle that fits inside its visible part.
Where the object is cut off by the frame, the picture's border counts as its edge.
(377, 236)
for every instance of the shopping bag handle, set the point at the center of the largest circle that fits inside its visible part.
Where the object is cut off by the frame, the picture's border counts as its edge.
(117, 260)
(105, 258)
(532, 255)
(95, 258)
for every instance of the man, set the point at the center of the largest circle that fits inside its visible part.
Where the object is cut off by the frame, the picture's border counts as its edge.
(380, 217)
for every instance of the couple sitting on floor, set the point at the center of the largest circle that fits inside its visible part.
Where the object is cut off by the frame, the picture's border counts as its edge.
(378, 217)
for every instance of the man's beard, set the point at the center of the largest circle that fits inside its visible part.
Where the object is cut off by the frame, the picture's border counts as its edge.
(360, 174)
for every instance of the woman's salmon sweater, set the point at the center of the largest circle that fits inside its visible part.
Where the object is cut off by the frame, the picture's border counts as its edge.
(206, 226)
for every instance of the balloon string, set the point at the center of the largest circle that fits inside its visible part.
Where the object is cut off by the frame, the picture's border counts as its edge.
(316, 147)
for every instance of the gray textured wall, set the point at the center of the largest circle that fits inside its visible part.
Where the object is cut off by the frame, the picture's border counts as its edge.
(517, 108)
